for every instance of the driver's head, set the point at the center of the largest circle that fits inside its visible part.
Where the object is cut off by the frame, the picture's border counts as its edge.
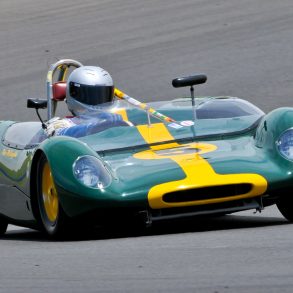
(89, 89)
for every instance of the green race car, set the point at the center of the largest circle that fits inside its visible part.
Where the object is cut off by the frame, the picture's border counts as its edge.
(179, 158)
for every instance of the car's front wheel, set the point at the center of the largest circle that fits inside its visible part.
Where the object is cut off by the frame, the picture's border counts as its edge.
(285, 206)
(3, 226)
(50, 213)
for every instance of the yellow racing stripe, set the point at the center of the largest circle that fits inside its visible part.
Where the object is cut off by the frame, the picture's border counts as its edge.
(122, 112)
(199, 173)
(156, 132)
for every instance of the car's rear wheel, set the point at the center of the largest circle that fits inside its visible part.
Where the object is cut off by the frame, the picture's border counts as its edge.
(285, 206)
(50, 213)
(3, 226)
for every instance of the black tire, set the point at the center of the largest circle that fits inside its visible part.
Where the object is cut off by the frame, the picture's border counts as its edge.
(3, 226)
(50, 214)
(285, 206)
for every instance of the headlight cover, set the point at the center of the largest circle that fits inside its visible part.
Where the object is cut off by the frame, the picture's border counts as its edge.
(285, 144)
(91, 172)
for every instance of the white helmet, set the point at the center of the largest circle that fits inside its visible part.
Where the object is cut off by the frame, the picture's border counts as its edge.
(89, 89)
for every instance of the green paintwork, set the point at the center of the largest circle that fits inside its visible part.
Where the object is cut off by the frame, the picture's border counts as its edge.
(245, 144)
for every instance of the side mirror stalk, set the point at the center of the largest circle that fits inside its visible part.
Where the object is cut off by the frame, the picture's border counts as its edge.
(38, 104)
(193, 103)
(44, 126)
(190, 81)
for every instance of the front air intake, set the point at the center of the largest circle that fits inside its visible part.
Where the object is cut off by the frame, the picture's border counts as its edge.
(205, 193)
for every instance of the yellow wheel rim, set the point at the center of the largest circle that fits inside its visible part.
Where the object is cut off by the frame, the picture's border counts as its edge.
(50, 196)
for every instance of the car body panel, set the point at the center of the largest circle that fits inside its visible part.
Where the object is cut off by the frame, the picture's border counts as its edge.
(152, 164)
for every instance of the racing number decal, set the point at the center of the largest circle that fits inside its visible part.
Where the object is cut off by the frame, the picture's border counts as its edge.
(199, 173)
(9, 153)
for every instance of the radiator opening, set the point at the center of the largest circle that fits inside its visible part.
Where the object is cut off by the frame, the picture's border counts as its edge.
(205, 193)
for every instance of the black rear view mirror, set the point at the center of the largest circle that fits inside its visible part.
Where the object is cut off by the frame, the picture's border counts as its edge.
(189, 80)
(36, 103)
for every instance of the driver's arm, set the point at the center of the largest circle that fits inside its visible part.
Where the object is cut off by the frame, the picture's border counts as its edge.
(90, 128)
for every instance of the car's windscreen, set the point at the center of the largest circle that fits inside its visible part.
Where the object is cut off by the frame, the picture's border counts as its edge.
(226, 108)
(123, 128)
(21, 135)
(213, 117)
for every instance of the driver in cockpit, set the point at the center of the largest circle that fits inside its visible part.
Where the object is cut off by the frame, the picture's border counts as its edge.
(89, 95)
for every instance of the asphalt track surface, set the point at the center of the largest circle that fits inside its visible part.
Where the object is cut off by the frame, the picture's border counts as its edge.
(245, 48)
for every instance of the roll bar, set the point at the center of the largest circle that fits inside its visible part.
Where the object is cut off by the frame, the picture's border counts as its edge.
(62, 65)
